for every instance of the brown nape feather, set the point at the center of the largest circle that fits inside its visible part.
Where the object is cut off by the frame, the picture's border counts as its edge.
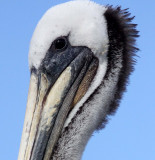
(122, 34)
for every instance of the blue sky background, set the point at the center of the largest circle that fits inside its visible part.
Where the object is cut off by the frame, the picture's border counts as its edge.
(129, 135)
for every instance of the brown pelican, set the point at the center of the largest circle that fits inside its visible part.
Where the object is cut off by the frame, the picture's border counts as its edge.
(81, 55)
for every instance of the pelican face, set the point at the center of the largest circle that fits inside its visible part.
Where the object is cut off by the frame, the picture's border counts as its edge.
(61, 81)
(80, 58)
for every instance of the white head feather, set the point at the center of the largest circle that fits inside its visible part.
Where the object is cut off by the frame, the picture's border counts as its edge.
(82, 20)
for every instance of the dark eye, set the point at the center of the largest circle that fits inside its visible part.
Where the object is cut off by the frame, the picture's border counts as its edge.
(60, 43)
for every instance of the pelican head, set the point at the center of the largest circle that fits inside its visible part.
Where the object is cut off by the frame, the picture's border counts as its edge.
(80, 57)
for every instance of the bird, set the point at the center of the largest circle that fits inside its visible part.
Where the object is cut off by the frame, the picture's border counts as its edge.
(80, 58)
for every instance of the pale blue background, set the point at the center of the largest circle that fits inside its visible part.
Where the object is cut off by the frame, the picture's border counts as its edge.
(129, 135)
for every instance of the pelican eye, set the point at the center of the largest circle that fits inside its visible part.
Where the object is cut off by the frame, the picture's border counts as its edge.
(60, 43)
